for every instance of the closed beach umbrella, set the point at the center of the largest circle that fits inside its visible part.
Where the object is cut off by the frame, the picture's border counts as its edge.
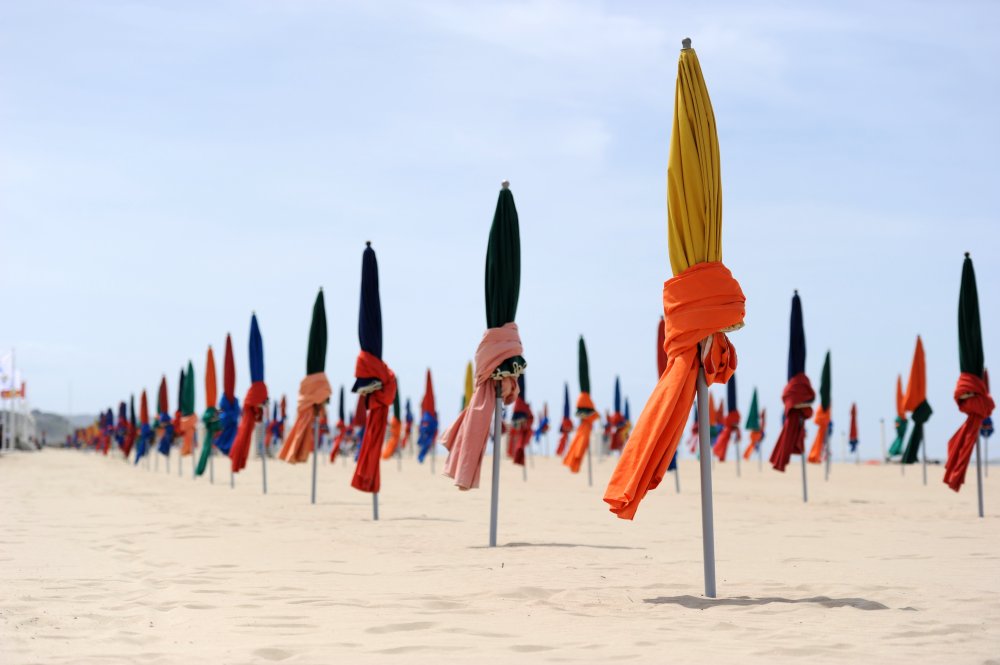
(585, 411)
(229, 406)
(731, 422)
(166, 423)
(701, 302)
(375, 382)
(566, 427)
(145, 431)
(901, 422)
(971, 392)
(189, 421)
(797, 396)
(498, 359)
(522, 419)
(754, 425)
(823, 422)
(341, 427)
(427, 431)
(617, 420)
(314, 391)
(210, 416)
(408, 431)
(852, 438)
(543, 423)
(915, 401)
(253, 403)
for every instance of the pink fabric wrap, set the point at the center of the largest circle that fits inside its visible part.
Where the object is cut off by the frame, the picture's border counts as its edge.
(466, 438)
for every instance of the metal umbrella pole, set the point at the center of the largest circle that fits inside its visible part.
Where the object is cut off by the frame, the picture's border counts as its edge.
(979, 477)
(736, 443)
(704, 461)
(923, 458)
(194, 447)
(590, 471)
(805, 489)
(263, 452)
(495, 489)
(677, 477)
(315, 451)
(829, 453)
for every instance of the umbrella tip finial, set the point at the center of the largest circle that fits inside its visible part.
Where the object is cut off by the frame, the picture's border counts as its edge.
(966, 255)
(686, 43)
(505, 184)
(368, 243)
(795, 292)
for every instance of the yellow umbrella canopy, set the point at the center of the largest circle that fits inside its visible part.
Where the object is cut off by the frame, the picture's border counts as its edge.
(694, 183)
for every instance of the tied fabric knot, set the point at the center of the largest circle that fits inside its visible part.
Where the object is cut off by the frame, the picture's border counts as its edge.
(466, 438)
(167, 439)
(395, 429)
(239, 452)
(366, 473)
(697, 304)
(520, 436)
(426, 432)
(818, 451)
(974, 400)
(142, 443)
(211, 421)
(188, 425)
(756, 436)
(314, 391)
(229, 422)
(338, 440)
(581, 439)
(796, 397)
(730, 430)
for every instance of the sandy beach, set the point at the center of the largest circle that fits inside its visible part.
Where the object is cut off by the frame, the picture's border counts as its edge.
(103, 562)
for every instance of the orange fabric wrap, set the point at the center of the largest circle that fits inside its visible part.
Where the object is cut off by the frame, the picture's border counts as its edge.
(973, 399)
(581, 438)
(395, 429)
(366, 474)
(822, 420)
(755, 437)
(314, 391)
(730, 430)
(252, 414)
(564, 431)
(339, 439)
(188, 426)
(797, 397)
(697, 304)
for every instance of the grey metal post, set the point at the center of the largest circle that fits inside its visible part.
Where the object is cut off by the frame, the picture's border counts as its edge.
(986, 456)
(760, 457)
(923, 457)
(211, 460)
(263, 453)
(736, 443)
(495, 489)
(315, 453)
(180, 460)
(805, 490)
(979, 477)
(590, 471)
(677, 478)
(829, 453)
(705, 462)
(375, 506)
(194, 467)
(882, 423)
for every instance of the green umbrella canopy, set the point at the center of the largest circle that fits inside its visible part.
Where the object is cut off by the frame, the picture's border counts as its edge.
(824, 383)
(584, 367)
(503, 271)
(187, 395)
(970, 333)
(753, 418)
(316, 355)
(395, 406)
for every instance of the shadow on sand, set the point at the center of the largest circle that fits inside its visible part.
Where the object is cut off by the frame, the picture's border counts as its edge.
(596, 547)
(698, 603)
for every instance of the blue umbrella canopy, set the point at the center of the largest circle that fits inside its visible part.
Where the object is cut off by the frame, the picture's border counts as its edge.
(627, 416)
(796, 339)
(565, 401)
(256, 352)
(409, 411)
(369, 316)
(618, 396)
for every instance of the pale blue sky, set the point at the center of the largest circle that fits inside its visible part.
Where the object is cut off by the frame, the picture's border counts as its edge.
(165, 168)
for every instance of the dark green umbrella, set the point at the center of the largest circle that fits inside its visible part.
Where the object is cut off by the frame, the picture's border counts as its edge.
(583, 365)
(971, 393)
(753, 416)
(316, 355)
(503, 272)
(187, 393)
(824, 383)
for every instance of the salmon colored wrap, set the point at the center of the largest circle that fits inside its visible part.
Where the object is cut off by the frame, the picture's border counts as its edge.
(366, 473)
(581, 438)
(974, 400)
(698, 303)
(822, 421)
(395, 430)
(466, 438)
(252, 413)
(797, 397)
(314, 391)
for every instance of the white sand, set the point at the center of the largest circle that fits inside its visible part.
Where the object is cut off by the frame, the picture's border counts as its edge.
(101, 562)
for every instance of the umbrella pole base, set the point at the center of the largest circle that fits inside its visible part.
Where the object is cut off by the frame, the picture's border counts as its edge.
(375, 506)
(979, 477)
(705, 462)
(805, 482)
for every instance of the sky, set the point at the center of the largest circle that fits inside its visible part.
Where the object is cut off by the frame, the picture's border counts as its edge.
(167, 168)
